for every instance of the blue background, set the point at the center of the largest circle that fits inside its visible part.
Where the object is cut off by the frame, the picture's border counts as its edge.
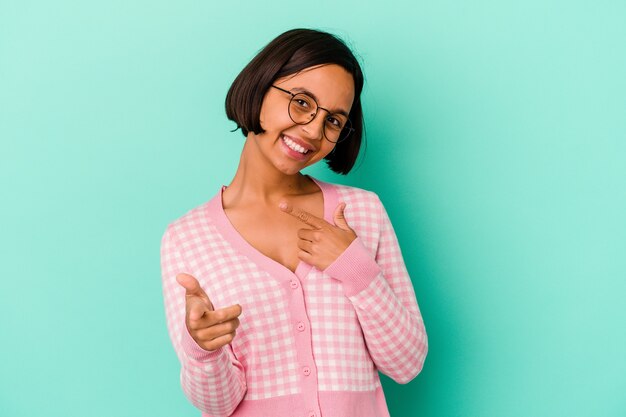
(495, 139)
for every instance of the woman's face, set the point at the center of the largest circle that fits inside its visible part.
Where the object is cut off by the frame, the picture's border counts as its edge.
(283, 142)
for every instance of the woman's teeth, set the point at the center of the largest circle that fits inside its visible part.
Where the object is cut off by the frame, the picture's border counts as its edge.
(294, 146)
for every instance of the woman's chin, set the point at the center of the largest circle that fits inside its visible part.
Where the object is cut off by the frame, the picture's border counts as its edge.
(290, 166)
(289, 170)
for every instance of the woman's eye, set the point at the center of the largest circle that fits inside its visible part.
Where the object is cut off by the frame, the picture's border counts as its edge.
(302, 103)
(334, 122)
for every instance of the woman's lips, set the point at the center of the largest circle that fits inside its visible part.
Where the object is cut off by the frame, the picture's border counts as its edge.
(292, 148)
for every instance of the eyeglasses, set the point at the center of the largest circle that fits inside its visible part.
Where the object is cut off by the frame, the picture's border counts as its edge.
(303, 109)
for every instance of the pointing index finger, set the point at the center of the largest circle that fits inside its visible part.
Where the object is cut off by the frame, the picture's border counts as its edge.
(302, 215)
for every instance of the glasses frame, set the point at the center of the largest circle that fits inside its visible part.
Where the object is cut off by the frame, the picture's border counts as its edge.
(293, 95)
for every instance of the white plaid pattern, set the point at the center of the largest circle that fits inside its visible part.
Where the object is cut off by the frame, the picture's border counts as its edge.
(387, 309)
(352, 337)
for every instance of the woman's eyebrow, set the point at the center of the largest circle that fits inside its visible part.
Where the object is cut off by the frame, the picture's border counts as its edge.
(310, 93)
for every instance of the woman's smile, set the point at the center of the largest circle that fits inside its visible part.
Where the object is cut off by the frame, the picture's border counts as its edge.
(296, 148)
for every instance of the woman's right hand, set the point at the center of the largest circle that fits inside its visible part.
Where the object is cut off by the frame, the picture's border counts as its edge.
(210, 328)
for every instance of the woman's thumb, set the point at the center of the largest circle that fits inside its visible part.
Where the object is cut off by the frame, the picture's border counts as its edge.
(340, 220)
(189, 283)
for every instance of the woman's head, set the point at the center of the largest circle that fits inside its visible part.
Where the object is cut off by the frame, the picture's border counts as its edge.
(283, 58)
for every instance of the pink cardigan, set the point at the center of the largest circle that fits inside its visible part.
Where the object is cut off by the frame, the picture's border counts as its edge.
(310, 343)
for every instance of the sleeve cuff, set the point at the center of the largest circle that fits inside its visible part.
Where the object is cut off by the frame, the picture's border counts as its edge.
(355, 268)
(192, 350)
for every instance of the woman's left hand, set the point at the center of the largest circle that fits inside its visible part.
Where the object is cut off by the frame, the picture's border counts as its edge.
(324, 243)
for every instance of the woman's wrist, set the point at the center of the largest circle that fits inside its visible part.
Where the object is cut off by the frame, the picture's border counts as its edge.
(355, 268)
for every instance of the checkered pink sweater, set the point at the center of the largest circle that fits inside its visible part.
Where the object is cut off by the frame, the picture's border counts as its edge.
(310, 343)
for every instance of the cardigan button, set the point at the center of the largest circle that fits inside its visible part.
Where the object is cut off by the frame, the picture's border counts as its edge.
(293, 284)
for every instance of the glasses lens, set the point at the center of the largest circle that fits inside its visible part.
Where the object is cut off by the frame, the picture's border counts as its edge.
(337, 128)
(302, 108)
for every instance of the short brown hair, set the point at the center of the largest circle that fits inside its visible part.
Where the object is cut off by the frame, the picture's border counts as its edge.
(289, 53)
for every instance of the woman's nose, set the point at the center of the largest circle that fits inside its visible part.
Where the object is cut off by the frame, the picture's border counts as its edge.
(315, 128)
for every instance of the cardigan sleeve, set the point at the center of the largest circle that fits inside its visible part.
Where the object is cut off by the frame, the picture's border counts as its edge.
(380, 289)
(213, 381)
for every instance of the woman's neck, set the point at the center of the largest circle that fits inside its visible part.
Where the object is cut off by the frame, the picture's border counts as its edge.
(257, 181)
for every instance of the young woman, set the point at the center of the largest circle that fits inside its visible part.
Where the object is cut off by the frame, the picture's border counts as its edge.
(285, 295)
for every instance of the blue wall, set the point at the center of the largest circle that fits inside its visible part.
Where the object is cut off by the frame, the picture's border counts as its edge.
(496, 139)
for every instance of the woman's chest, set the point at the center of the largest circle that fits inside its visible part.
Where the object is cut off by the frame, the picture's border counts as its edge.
(276, 237)
(273, 232)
